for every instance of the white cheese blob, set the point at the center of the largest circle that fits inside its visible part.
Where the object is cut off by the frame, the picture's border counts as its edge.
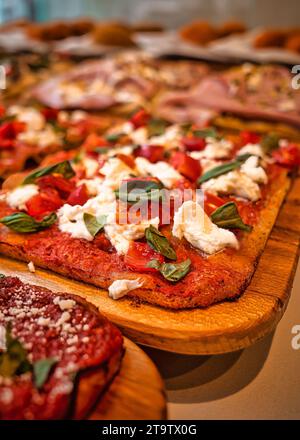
(120, 288)
(90, 165)
(169, 139)
(161, 170)
(32, 117)
(215, 149)
(192, 223)
(115, 170)
(70, 220)
(31, 267)
(242, 183)
(42, 138)
(94, 186)
(121, 235)
(252, 169)
(235, 183)
(18, 197)
(254, 149)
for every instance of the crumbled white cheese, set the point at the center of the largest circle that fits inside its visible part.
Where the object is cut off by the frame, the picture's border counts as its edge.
(90, 165)
(215, 149)
(121, 235)
(42, 138)
(192, 223)
(161, 170)
(120, 288)
(31, 267)
(94, 186)
(242, 183)
(32, 117)
(169, 139)
(139, 136)
(235, 183)
(115, 170)
(70, 220)
(252, 169)
(254, 149)
(20, 195)
(64, 304)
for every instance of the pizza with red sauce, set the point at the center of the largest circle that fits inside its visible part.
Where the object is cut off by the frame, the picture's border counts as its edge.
(58, 355)
(28, 134)
(173, 215)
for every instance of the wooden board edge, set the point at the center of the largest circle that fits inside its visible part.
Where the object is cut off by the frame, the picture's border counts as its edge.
(136, 393)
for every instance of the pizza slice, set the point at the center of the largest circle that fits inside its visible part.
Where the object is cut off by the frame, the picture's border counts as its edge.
(178, 222)
(261, 93)
(57, 353)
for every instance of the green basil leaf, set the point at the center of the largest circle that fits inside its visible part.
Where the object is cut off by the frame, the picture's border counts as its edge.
(172, 271)
(102, 150)
(64, 168)
(156, 127)
(113, 137)
(206, 132)
(94, 224)
(270, 142)
(41, 371)
(227, 216)
(14, 360)
(24, 223)
(159, 243)
(224, 168)
(186, 127)
(135, 190)
(2, 275)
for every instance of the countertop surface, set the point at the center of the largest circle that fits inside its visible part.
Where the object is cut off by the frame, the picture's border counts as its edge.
(260, 382)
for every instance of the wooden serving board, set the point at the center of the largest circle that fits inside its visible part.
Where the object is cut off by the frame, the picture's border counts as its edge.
(136, 393)
(221, 328)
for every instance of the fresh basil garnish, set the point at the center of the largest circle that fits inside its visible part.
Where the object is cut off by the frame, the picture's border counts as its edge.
(41, 371)
(227, 216)
(2, 275)
(224, 168)
(94, 224)
(206, 132)
(113, 137)
(14, 360)
(24, 223)
(270, 142)
(64, 168)
(156, 127)
(171, 271)
(134, 190)
(159, 243)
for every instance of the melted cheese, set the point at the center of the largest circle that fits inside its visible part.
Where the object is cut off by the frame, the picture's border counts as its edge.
(191, 222)
(120, 288)
(215, 149)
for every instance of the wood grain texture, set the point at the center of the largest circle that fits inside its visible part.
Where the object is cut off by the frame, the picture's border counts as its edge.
(124, 399)
(221, 328)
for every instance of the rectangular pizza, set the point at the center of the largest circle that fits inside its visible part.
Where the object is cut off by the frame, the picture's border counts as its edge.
(173, 215)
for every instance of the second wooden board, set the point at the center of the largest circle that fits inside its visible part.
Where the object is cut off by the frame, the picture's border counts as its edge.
(221, 328)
